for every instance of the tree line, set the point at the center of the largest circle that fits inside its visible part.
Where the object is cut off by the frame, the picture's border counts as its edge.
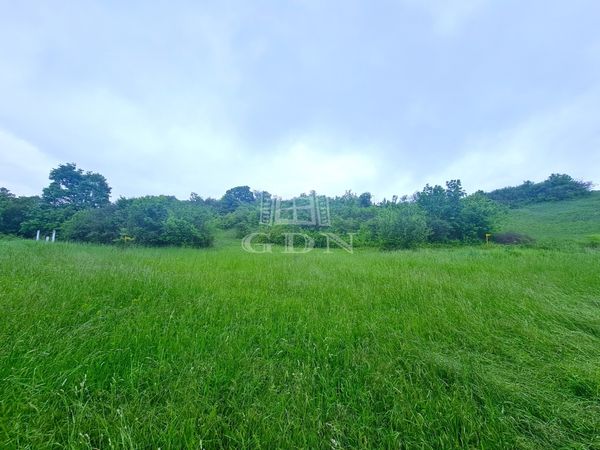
(555, 187)
(77, 204)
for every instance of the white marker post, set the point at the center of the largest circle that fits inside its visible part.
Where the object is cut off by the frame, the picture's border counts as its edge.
(37, 235)
(47, 238)
(53, 235)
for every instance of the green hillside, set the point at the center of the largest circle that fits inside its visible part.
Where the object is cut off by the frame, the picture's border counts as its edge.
(569, 220)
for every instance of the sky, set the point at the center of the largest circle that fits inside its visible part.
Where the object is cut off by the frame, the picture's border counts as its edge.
(169, 97)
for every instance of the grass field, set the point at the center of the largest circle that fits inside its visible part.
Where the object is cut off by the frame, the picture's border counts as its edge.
(557, 222)
(481, 347)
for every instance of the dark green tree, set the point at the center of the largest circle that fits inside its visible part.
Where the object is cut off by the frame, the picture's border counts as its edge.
(478, 216)
(164, 220)
(235, 197)
(73, 188)
(365, 200)
(445, 215)
(434, 202)
(14, 211)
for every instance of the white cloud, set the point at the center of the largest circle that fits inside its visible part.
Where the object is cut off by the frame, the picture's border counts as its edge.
(557, 140)
(24, 167)
(306, 164)
(448, 15)
(201, 98)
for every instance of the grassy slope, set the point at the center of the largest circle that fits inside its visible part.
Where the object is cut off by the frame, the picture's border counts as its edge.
(478, 347)
(570, 220)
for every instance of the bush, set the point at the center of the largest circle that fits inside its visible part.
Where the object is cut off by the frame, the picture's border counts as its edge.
(243, 220)
(401, 226)
(511, 238)
(99, 226)
(592, 241)
(477, 217)
(180, 232)
(163, 220)
(453, 216)
(154, 221)
(555, 187)
(14, 211)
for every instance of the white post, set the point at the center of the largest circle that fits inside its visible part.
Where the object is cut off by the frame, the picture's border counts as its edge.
(47, 238)
(53, 235)
(37, 235)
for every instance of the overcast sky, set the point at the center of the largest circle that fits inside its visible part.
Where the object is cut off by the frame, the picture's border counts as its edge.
(170, 97)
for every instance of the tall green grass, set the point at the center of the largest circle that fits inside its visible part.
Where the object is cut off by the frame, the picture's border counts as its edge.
(142, 348)
(562, 222)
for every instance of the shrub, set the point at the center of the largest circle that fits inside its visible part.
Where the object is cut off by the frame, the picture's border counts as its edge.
(511, 238)
(99, 226)
(555, 187)
(162, 220)
(14, 211)
(180, 232)
(478, 216)
(592, 241)
(401, 226)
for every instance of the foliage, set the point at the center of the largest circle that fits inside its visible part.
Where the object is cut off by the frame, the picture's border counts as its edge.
(72, 187)
(98, 225)
(401, 226)
(454, 216)
(147, 220)
(556, 187)
(510, 237)
(236, 197)
(182, 232)
(478, 216)
(45, 218)
(68, 205)
(365, 200)
(14, 211)
(70, 190)
(243, 220)
(164, 220)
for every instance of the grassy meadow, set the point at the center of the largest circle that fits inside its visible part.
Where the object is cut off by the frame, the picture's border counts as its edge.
(558, 223)
(473, 347)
